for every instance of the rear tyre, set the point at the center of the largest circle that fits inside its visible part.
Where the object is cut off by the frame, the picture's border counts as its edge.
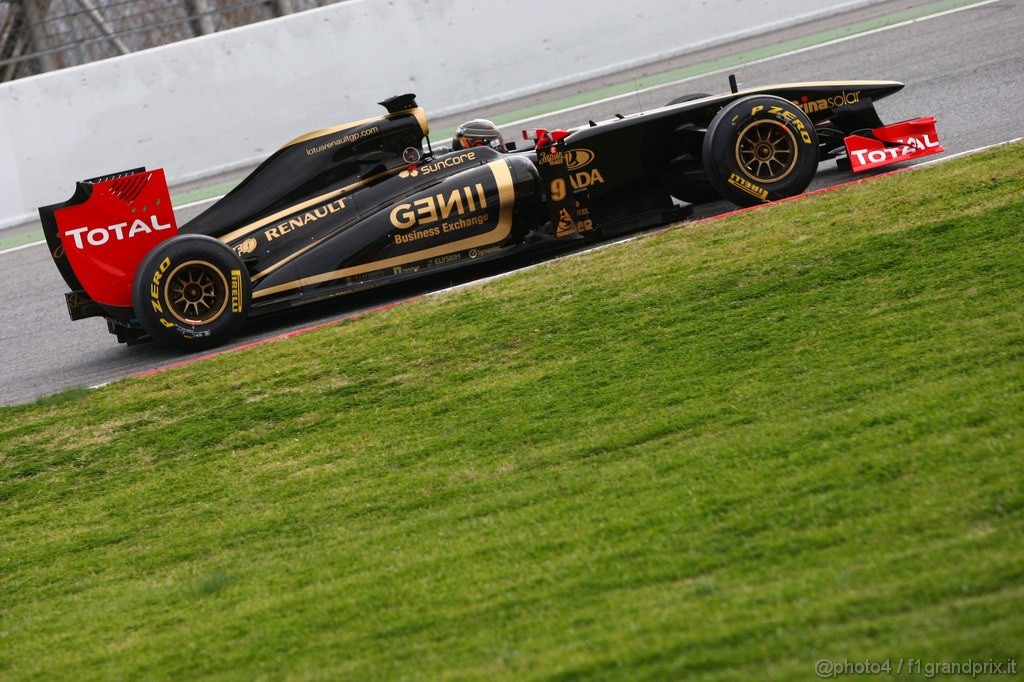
(191, 292)
(759, 149)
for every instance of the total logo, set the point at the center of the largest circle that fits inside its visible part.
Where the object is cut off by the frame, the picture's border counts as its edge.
(98, 236)
(911, 146)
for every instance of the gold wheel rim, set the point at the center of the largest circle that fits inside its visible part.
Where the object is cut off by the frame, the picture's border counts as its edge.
(196, 292)
(766, 151)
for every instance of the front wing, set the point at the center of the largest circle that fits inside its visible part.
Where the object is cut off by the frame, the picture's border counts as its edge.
(892, 144)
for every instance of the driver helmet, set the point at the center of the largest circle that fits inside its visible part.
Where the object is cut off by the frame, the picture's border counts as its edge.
(478, 133)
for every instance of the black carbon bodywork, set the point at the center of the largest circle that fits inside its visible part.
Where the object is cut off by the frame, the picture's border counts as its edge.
(366, 204)
(343, 210)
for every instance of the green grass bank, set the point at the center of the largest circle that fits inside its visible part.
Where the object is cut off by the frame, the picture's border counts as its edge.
(722, 452)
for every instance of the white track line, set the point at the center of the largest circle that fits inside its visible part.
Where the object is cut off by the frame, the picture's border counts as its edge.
(935, 162)
(198, 203)
(764, 60)
(19, 248)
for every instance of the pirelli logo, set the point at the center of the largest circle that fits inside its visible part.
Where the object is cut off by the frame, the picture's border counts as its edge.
(236, 291)
(748, 187)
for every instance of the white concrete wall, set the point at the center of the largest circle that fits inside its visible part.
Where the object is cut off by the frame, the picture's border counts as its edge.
(228, 99)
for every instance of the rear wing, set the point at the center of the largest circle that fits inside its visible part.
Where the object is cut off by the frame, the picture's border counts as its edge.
(98, 237)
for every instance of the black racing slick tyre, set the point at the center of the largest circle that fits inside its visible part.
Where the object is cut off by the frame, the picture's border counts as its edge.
(687, 98)
(760, 148)
(191, 292)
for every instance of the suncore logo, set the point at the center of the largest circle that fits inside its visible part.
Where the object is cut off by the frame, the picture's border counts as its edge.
(450, 162)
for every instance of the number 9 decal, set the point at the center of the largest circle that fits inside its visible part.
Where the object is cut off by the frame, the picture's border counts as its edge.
(558, 189)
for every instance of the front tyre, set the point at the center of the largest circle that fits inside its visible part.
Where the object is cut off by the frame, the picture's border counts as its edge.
(191, 292)
(760, 148)
(688, 98)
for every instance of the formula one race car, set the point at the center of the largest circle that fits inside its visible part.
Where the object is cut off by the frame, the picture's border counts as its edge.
(365, 204)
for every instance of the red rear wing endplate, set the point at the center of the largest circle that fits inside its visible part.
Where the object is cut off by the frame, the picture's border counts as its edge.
(105, 236)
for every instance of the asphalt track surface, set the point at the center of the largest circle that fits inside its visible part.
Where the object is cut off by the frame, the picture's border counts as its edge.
(965, 68)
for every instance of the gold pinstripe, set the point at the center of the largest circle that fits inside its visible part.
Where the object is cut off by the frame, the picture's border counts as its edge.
(263, 222)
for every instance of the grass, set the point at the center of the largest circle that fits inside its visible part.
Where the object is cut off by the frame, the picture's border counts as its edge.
(722, 452)
(66, 396)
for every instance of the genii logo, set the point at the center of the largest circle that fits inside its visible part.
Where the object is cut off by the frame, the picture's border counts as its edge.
(431, 209)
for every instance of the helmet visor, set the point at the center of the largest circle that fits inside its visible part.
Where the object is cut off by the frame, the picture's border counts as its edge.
(470, 135)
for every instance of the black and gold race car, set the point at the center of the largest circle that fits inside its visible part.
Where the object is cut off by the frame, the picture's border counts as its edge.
(368, 203)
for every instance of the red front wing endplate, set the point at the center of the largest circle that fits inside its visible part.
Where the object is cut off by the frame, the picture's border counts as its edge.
(893, 144)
